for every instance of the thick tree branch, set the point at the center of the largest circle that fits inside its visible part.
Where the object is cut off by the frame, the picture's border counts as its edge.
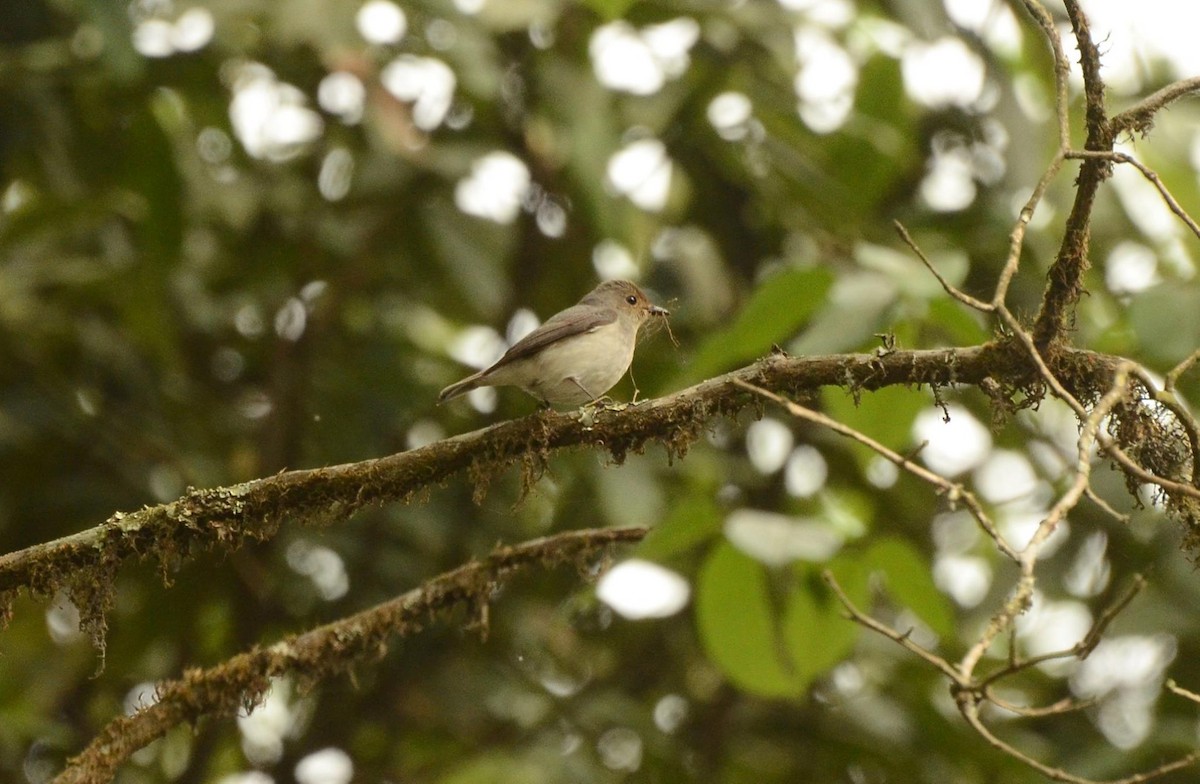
(326, 650)
(1065, 278)
(222, 518)
(84, 564)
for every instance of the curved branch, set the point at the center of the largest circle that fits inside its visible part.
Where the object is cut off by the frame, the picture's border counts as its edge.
(324, 651)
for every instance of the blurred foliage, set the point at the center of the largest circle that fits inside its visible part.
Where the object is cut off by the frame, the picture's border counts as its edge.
(178, 309)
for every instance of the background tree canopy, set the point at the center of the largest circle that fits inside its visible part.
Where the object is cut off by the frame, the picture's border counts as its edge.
(238, 239)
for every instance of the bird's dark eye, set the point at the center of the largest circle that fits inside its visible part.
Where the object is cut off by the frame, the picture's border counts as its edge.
(631, 299)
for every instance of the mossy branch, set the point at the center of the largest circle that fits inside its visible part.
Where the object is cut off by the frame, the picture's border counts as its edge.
(320, 653)
(1064, 284)
(84, 564)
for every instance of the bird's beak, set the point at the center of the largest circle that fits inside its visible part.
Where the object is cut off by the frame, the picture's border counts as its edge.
(655, 310)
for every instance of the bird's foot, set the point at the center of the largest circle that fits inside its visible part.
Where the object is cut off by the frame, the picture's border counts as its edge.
(589, 410)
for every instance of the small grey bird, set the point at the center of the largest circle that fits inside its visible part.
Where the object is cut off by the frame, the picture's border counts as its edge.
(577, 355)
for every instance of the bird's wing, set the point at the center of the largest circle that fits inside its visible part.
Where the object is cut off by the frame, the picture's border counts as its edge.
(575, 320)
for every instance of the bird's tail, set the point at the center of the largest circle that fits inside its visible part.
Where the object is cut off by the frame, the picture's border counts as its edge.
(458, 388)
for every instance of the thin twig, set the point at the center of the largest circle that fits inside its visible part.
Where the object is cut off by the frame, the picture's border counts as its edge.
(1109, 614)
(969, 707)
(950, 288)
(1110, 448)
(1172, 377)
(1062, 69)
(1117, 156)
(1062, 73)
(1001, 621)
(1139, 117)
(1080, 650)
(1182, 692)
(1065, 705)
(904, 639)
(1016, 239)
(1089, 432)
(953, 491)
(1106, 507)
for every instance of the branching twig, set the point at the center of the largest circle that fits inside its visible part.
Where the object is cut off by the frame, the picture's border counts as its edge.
(954, 492)
(1152, 176)
(1021, 595)
(950, 289)
(969, 707)
(905, 640)
(1081, 649)
(1041, 344)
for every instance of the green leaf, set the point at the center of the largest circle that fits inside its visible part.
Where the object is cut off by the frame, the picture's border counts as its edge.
(1167, 320)
(958, 325)
(471, 252)
(495, 767)
(815, 628)
(869, 173)
(853, 312)
(885, 415)
(737, 624)
(693, 521)
(910, 582)
(609, 9)
(775, 311)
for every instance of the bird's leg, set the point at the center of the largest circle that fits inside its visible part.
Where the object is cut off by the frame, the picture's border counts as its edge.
(591, 398)
(602, 401)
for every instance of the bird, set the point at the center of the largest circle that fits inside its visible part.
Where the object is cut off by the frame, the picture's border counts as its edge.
(577, 355)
